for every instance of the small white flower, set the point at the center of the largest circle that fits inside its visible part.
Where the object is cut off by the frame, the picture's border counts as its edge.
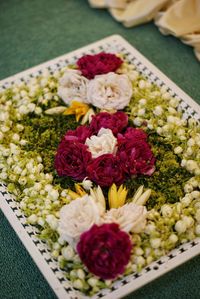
(155, 242)
(142, 84)
(54, 194)
(141, 112)
(52, 221)
(130, 217)
(73, 86)
(173, 238)
(137, 121)
(197, 229)
(104, 143)
(189, 221)
(158, 110)
(178, 150)
(191, 142)
(87, 184)
(32, 219)
(142, 102)
(68, 252)
(166, 96)
(77, 217)
(180, 227)
(92, 281)
(109, 91)
(166, 211)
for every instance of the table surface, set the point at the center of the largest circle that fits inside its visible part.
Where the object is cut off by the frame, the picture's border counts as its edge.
(32, 32)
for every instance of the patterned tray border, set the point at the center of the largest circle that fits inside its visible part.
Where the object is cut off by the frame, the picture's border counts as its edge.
(27, 233)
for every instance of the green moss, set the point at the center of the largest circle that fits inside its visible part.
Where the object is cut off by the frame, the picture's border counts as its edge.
(168, 179)
(43, 135)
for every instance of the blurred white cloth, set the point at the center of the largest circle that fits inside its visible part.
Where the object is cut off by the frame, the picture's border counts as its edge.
(180, 18)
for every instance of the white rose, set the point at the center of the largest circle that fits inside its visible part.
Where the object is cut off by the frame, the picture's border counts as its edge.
(73, 86)
(109, 91)
(130, 217)
(104, 143)
(76, 218)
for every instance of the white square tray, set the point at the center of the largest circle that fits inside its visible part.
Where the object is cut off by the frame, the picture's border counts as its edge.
(27, 233)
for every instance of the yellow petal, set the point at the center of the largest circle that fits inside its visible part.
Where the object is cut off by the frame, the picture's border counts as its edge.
(79, 190)
(113, 197)
(122, 197)
(72, 194)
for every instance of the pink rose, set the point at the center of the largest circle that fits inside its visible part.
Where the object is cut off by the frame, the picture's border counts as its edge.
(105, 250)
(105, 170)
(115, 122)
(72, 159)
(101, 63)
(80, 134)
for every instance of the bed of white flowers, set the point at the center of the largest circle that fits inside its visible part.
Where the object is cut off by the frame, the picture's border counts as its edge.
(41, 200)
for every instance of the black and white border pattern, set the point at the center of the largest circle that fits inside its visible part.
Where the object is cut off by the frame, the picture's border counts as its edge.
(28, 234)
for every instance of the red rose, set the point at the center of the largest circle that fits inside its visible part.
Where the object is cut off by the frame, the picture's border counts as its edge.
(72, 159)
(133, 135)
(105, 170)
(102, 63)
(136, 157)
(105, 250)
(80, 134)
(115, 122)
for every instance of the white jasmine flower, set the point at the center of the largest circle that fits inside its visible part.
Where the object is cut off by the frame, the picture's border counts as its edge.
(87, 184)
(137, 121)
(38, 110)
(68, 252)
(155, 242)
(197, 229)
(130, 217)
(191, 165)
(142, 84)
(104, 143)
(77, 217)
(166, 96)
(173, 238)
(32, 219)
(73, 86)
(141, 112)
(158, 110)
(191, 142)
(180, 227)
(109, 91)
(92, 281)
(54, 194)
(142, 102)
(166, 211)
(178, 150)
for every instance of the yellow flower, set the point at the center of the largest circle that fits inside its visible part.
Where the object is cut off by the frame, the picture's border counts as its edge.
(79, 192)
(77, 108)
(116, 198)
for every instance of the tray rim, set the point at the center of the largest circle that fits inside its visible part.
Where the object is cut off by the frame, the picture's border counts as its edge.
(21, 232)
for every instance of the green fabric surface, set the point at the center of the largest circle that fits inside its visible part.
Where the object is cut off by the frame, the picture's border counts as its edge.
(32, 32)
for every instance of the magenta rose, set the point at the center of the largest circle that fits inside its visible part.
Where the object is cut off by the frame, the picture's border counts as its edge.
(105, 250)
(115, 122)
(72, 159)
(80, 134)
(101, 63)
(136, 157)
(106, 170)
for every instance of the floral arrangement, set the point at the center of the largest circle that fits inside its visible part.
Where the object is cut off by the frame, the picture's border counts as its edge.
(104, 164)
